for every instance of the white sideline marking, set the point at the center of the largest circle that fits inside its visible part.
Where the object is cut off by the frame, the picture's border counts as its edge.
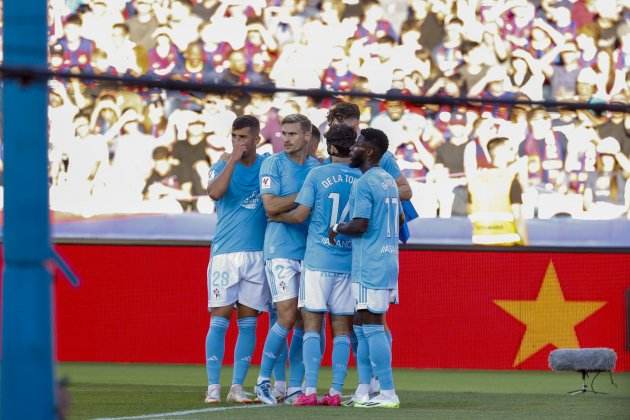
(183, 413)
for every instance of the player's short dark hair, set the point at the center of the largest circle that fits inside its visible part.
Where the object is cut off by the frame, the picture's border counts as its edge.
(377, 139)
(247, 121)
(494, 143)
(342, 111)
(305, 123)
(341, 136)
(160, 152)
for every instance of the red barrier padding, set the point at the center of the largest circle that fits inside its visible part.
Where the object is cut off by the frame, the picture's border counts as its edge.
(471, 310)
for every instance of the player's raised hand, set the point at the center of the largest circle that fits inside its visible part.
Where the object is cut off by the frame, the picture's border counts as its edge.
(238, 152)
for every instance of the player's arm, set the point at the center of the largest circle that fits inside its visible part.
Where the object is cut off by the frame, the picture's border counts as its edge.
(218, 186)
(404, 190)
(304, 201)
(297, 215)
(355, 227)
(516, 199)
(388, 163)
(274, 205)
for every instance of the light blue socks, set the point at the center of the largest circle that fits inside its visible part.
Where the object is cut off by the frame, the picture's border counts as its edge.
(215, 347)
(380, 355)
(244, 348)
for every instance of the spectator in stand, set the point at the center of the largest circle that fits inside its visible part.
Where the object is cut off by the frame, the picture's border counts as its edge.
(217, 52)
(607, 194)
(206, 9)
(121, 51)
(617, 126)
(165, 57)
(189, 152)
(88, 161)
(338, 75)
(184, 25)
(492, 49)
(237, 69)
(448, 55)
(195, 67)
(606, 22)
(373, 26)
(545, 150)
(131, 163)
(77, 51)
(449, 167)
(564, 76)
(143, 25)
(163, 189)
(587, 45)
(494, 85)
(98, 20)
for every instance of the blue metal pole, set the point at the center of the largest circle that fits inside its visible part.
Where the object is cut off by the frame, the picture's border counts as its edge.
(27, 387)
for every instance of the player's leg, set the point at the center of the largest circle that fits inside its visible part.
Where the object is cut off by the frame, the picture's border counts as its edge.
(314, 287)
(283, 279)
(372, 318)
(296, 363)
(375, 386)
(364, 367)
(341, 307)
(253, 299)
(222, 283)
(279, 368)
(311, 351)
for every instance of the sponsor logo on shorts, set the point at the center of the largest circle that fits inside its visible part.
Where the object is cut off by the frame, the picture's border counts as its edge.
(217, 293)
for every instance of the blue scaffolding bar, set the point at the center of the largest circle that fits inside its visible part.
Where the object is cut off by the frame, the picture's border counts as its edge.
(27, 387)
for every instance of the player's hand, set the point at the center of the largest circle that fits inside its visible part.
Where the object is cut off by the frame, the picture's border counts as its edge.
(238, 152)
(331, 236)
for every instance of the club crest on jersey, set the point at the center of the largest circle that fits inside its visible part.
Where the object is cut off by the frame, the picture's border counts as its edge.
(266, 182)
(252, 201)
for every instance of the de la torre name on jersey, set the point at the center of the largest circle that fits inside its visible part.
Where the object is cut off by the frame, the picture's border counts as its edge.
(331, 180)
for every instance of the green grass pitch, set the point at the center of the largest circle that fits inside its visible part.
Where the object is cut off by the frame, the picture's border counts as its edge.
(117, 390)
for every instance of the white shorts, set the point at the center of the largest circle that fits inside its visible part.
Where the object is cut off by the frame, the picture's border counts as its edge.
(238, 277)
(283, 276)
(374, 300)
(393, 296)
(323, 291)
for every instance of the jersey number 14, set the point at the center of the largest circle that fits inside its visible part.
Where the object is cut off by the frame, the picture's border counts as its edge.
(334, 213)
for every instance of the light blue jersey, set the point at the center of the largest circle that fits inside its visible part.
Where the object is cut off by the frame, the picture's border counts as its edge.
(326, 191)
(375, 253)
(389, 164)
(240, 214)
(281, 176)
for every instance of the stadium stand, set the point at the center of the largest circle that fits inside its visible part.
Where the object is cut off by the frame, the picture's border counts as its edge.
(133, 150)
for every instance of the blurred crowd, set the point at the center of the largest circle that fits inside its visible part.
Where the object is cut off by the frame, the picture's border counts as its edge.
(139, 150)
